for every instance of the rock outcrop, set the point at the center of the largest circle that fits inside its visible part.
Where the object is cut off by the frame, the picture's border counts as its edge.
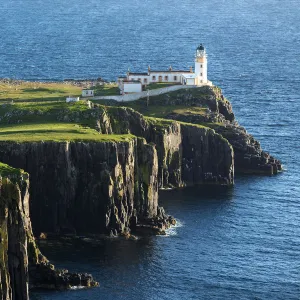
(14, 224)
(20, 258)
(249, 156)
(190, 155)
(104, 187)
(183, 149)
(86, 187)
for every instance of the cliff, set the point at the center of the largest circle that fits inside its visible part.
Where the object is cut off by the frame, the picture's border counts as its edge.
(110, 187)
(103, 176)
(14, 224)
(187, 154)
(20, 257)
(207, 106)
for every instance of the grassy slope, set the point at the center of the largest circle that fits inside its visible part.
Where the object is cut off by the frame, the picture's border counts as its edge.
(6, 170)
(106, 90)
(55, 132)
(159, 111)
(159, 85)
(38, 104)
(157, 108)
(36, 91)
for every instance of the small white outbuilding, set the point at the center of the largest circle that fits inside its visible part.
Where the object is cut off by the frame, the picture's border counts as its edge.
(188, 79)
(72, 99)
(87, 93)
(130, 86)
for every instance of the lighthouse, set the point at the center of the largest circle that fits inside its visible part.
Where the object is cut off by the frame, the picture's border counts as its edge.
(201, 65)
(136, 82)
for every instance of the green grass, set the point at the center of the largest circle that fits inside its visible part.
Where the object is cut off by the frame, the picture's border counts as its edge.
(160, 111)
(57, 132)
(46, 105)
(6, 170)
(36, 91)
(38, 112)
(106, 90)
(159, 121)
(159, 85)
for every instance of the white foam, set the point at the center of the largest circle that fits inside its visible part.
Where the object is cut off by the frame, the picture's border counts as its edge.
(77, 287)
(173, 229)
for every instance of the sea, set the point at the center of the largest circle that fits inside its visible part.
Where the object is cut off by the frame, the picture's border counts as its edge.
(229, 243)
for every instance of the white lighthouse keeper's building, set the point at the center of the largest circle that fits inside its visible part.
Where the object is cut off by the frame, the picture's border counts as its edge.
(180, 77)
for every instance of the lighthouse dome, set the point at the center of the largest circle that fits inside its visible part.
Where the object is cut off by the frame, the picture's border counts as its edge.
(201, 47)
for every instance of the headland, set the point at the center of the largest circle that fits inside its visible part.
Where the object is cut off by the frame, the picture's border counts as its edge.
(96, 166)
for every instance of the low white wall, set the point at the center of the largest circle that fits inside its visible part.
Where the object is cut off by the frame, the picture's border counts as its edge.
(136, 96)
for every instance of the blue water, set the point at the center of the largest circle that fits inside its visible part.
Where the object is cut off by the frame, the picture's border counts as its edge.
(240, 243)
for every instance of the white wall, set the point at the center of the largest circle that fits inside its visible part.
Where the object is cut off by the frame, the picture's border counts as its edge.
(201, 68)
(190, 81)
(87, 93)
(141, 77)
(163, 75)
(132, 87)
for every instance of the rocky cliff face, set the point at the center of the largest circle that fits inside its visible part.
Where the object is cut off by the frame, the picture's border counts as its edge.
(110, 187)
(183, 149)
(104, 187)
(14, 224)
(20, 258)
(249, 156)
(87, 187)
(191, 155)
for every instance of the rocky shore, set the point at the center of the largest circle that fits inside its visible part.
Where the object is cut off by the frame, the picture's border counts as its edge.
(21, 263)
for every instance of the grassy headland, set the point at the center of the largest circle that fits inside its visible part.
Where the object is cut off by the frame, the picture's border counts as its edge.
(35, 111)
(23, 91)
(57, 132)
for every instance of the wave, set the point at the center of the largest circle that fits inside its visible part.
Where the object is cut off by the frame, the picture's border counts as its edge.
(173, 229)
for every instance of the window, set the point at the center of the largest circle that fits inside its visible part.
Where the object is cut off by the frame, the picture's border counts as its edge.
(201, 66)
(175, 78)
(145, 80)
(139, 79)
(153, 78)
(160, 78)
(166, 78)
(201, 74)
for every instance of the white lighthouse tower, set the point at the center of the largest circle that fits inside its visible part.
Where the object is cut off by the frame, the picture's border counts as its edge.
(201, 65)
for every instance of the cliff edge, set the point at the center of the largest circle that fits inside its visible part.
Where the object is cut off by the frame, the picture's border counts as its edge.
(207, 106)
(20, 258)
